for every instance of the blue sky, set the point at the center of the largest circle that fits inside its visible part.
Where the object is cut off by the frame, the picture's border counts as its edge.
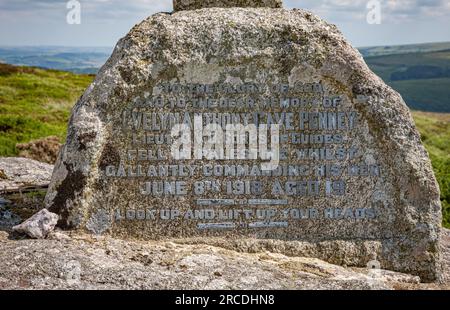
(103, 22)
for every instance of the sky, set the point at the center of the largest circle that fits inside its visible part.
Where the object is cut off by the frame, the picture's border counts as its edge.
(104, 22)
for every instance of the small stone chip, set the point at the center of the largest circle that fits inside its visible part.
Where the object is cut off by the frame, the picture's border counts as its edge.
(39, 225)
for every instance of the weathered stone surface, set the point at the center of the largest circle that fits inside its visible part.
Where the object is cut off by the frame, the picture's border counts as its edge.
(389, 210)
(16, 173)
(78, 261)
(445, 248)
(39, 225)
(182, 5)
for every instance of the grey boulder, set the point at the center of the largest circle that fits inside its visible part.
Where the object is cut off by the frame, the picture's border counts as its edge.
(39, 225)
(18, 173)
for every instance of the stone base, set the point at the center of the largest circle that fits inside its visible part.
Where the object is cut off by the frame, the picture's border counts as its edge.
(77, 261)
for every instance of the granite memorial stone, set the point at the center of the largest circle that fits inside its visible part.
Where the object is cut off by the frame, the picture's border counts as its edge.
(255, 127)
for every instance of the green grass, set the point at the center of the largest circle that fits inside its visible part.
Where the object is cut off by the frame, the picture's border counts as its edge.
(35, 103)
(435, 131)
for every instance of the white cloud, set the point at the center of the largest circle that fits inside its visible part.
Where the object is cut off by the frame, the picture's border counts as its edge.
(104, 21)
(392, 10)
(335, 9)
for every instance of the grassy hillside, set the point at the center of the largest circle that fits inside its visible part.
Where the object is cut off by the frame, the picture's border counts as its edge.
(423, 79)
(36, 103)
(435, 131)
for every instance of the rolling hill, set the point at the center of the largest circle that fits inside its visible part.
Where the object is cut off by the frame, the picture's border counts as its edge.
(422, 78)
(73, 59)
(403, 49)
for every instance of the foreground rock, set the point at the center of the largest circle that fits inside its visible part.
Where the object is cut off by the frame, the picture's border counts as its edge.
(80, 261)
(39, 225)
(445, 248)
(18, 173)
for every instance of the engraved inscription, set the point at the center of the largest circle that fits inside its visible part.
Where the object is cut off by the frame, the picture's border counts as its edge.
(245, 156)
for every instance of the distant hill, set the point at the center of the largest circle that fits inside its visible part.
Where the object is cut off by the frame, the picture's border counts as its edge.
(403, 49)
(422, 78)
(73, 59)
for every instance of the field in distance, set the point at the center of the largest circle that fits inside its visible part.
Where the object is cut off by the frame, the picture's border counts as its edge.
(421, 76)
(73, 59)
(36, 103)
